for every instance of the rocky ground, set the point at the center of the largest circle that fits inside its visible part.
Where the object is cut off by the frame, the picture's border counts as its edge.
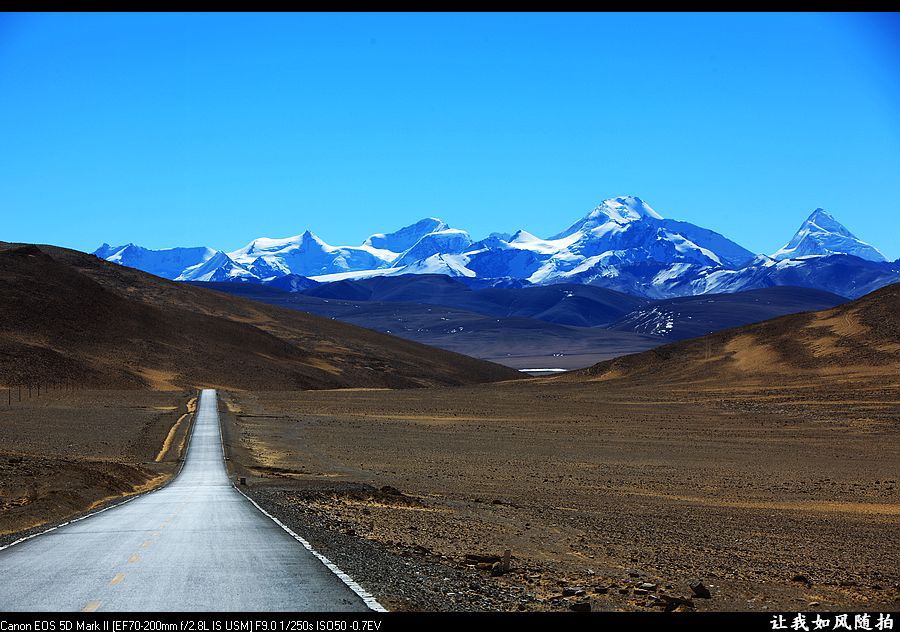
(608, 499)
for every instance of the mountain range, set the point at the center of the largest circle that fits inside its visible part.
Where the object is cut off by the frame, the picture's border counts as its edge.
(66, 316)
(623, 244)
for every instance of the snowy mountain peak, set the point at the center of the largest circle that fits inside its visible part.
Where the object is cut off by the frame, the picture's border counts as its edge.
(822, 234)
(309, 236)
(825, 221)
(521, 236)
(105, 250)
(627, 208)
(630, 207)
(217, 259)
(524, 240)
(405, 238)
(449, 241)
(219, 267)
(450, 265)
(167, 262)
(622, 244)
(618, 210)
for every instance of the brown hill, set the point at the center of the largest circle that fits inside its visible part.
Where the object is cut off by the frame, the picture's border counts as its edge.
(69, 317)
(859, 339)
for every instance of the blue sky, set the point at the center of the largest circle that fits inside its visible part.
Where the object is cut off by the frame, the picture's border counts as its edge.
(172, 130)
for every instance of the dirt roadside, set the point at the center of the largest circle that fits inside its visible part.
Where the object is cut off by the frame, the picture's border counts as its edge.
(67, 454)
(607, 498)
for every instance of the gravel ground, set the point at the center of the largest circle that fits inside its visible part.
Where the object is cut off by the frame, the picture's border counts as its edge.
(621, 499)
(403, 578)
(406, 577)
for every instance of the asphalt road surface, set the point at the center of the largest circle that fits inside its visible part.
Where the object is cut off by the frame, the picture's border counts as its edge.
(195, 545)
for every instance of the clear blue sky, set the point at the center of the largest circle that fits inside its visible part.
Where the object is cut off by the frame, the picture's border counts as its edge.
(172, 130)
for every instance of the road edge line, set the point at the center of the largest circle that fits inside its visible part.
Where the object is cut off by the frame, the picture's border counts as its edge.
(367, 597)
(108, 507)
(361, 592)
(78, 519)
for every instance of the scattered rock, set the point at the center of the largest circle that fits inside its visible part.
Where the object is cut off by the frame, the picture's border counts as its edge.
(572, 591)
(506, 560)
(641, 591)
(672, 603)
(647, 586)
(580, 606)
(801, 578)
(601, 590)
(699, 590)
(478, 558)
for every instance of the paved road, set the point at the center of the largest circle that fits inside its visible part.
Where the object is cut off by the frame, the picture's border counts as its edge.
(194, 545)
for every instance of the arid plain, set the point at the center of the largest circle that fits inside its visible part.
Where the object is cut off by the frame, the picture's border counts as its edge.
(770, 500)
(761, 461)
(753, 468)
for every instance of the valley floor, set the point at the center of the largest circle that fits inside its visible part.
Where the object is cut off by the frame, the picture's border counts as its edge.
(620, 495)
(781, 498)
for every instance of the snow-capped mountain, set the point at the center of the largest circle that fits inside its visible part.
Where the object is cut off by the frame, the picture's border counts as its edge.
(219, 267)
(448, 241)
(167, 263)
(821, 234)
(610, 214)
(308, 255)
(622, 244)
(449, 265)
(618, 234)
(405, 238)
(846, 275)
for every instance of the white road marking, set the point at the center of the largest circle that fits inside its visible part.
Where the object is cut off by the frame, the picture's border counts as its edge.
(118, 598)
(363, 594)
